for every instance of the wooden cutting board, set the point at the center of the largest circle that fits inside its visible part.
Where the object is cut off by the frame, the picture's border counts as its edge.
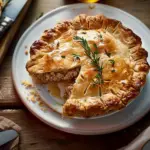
(8, 37)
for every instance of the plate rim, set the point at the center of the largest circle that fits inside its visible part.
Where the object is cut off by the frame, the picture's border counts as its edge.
(21, 96)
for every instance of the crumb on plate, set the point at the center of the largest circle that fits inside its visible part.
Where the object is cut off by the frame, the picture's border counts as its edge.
(27, 84)
(26, 52)
(32, 98)
(44, 109)
(41, 103)
(33, 92)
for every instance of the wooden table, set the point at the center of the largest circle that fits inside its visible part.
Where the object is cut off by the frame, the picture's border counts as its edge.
(35, 134)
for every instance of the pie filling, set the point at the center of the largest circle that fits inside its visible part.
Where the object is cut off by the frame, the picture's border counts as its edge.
(93, 62)
(57, 76)
(61, 90)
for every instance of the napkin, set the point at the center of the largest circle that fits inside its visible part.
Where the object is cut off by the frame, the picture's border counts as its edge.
(6, 124)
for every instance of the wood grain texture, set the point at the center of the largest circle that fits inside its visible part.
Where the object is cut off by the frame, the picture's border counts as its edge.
(38, 136)
(35, 135)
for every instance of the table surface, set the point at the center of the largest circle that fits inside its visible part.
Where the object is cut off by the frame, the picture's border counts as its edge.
(35, 134)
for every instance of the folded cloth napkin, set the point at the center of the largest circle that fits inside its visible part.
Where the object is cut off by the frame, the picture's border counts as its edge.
(6, 124)
(141, 142)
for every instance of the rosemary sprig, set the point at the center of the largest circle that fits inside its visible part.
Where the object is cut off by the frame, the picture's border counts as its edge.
(113, 70)
(92, 55)
(112, 62)
(83, 32)
(63, 56)
(76, 56)
(98, 81)
(84, 45)
(101, 37)
(96, 48)
(94, 60)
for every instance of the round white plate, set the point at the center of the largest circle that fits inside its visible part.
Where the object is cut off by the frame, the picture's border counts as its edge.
(107, 124)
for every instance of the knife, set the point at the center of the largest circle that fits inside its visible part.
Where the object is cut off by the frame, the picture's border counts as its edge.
(141, 142)
(10, 13)
(6, 136)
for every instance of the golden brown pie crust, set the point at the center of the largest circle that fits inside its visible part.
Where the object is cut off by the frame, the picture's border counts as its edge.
(119, 87)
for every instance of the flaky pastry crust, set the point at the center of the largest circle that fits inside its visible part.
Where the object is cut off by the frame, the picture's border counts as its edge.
(53, 54)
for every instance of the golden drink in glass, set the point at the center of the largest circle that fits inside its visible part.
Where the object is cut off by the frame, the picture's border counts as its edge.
(89, 1)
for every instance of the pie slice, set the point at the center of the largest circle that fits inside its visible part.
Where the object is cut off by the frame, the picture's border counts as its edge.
(105, 60)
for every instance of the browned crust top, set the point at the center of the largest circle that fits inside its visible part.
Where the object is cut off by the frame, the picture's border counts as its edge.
(125, 92)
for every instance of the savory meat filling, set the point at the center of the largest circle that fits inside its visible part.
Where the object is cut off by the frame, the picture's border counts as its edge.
(68, 90)
(57, 76)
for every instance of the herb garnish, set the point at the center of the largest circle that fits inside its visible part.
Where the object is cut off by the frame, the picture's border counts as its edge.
(96, 48)
(101, 37)
(89, 53)
(112, 62)
(98, 81)
(83, 32)
(63, 56)
(94, 60)
(76, 56)
(107, 53)
(113, 70)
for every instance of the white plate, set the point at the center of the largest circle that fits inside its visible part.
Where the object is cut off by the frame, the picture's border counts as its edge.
(103, 125)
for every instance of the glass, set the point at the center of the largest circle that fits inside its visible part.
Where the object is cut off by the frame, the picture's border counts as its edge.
(89, 1)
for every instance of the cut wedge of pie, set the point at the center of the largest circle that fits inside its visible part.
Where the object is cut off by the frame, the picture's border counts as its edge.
(102, 59)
